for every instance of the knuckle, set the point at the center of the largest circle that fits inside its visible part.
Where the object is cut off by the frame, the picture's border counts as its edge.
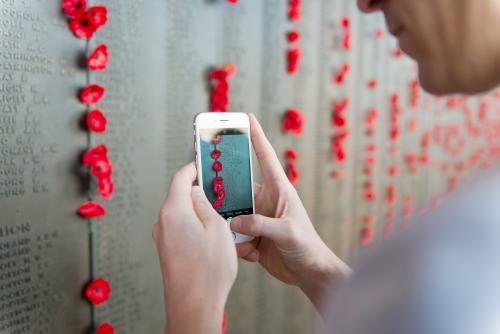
(163, 212)
(256, 224)
(165, 215)
(293, 233)
(176, 175)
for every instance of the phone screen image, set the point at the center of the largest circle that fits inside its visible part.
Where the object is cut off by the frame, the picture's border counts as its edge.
(226, 170)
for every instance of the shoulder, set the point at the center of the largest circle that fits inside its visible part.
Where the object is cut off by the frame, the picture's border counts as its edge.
(440, 276)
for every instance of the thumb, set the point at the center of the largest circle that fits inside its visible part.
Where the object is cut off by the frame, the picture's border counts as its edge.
(275, 229)
(202, 206)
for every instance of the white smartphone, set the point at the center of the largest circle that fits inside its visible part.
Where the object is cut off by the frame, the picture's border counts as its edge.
(224, 164)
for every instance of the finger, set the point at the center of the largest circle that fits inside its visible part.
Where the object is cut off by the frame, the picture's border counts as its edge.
(245, 249)
(252, 257)
(202, 206)
(181, 184)
(256, 189)
(260, 226)
(268, 160)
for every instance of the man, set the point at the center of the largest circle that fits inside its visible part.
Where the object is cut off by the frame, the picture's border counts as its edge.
(404, 287)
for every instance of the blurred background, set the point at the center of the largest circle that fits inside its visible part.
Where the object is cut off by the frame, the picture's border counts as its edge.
(373, 149)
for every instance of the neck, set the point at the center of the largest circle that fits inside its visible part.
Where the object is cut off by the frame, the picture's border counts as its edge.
(483, 39)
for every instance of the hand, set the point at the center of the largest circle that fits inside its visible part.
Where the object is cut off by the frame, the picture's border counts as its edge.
(197, 257)
(287, 245)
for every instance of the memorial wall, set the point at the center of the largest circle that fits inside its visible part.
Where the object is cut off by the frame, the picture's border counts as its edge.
(367, 149)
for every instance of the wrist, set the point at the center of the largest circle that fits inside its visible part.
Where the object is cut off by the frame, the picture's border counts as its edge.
(192, 316)
(325, 278)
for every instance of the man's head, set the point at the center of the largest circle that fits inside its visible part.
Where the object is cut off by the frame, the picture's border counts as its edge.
(456, 43)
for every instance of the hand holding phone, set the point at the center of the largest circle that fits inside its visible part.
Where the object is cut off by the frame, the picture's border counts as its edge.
(224, 164)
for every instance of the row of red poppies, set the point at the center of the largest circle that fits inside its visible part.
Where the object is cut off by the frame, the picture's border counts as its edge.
(293, 120)
(218, 182)
(84, 22)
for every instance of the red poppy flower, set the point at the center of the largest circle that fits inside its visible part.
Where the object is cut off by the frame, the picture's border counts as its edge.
(370, 160)
(395, 98)
(105, 328)
(339, 121)
(94, 154)
(96, 121)
(224, 72)
(83, 26)
(347, 41)
(218, 74)
(371, 116)
(92, 94)
(99, 14)
(218, 187)
(91, 210)
(74, 8)
(372, 84)
(98, 291)
(293, 122)
(369, 195)
(221, 88)
(221, 195)
(231, 69)
(367, 236)
(106, 187)
(395, 133)
(393, 171)
(379, 33)
(293, 36)
(372, 148)
(341, 136)
(293, 173)
(219, 101)
(341, 106)
(293, 57)
(368, 170)
(215, 154)
(98, 59)
(397, 53)
(344, 71)
(291, 154)
(224, 323)
(338, 174)
(102, 168)
(217, 166)
(294, 7)
(415, 93)
(345, 23)
(390, 195)
(233, 2)
(218, 204)
(340, 154)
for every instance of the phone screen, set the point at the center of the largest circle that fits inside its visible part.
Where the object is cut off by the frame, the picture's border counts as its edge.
(226, 170)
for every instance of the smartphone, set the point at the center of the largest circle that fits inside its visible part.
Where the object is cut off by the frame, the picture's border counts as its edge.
(224, 164)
